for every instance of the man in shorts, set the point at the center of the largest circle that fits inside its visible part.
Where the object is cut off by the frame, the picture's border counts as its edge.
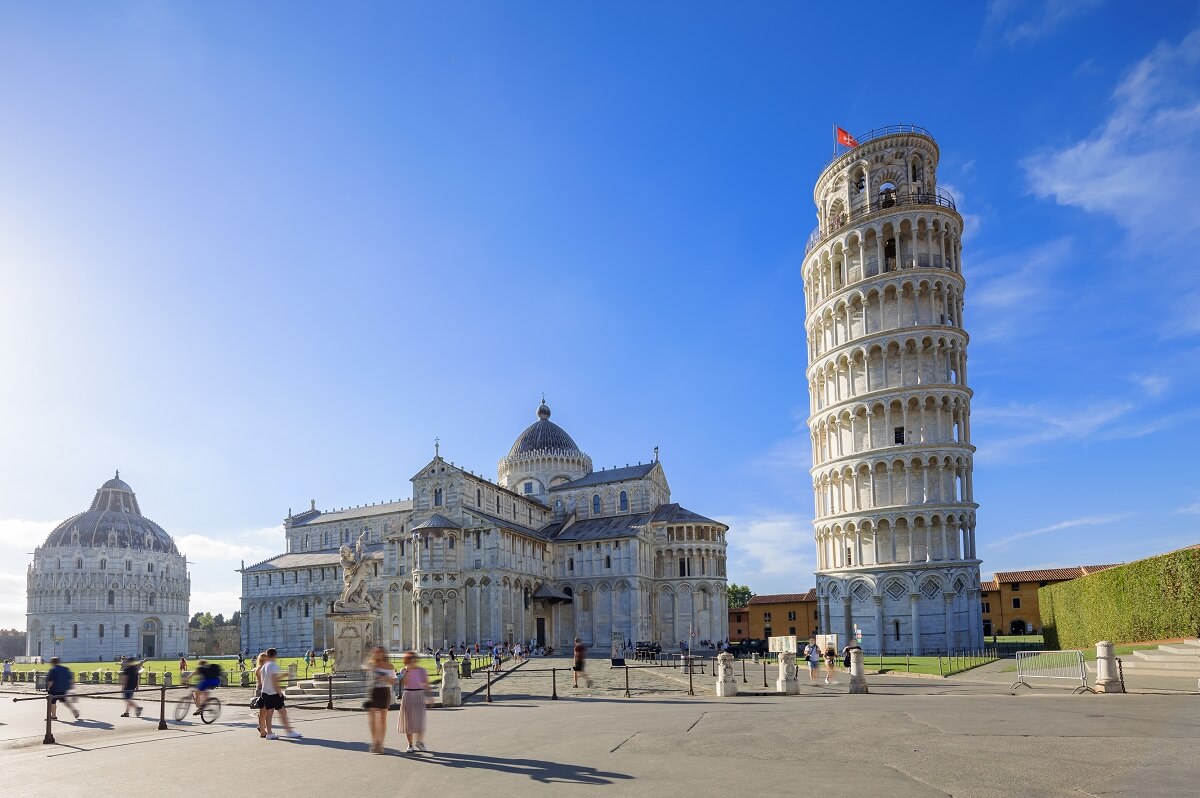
(58, 682)
(577, 665)
(209, 674)
(131, 674)
(812, 653)
(272, 700)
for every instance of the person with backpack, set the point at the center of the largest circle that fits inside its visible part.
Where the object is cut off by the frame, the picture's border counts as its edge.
(58, 682)
(812, 655)
(830, 659)
(209, 675)
(131, 674)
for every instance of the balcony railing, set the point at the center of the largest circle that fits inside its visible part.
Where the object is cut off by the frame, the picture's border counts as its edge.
(878, 133)
(881, 203)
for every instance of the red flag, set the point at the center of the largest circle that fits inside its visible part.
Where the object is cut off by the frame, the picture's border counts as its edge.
(845, 139)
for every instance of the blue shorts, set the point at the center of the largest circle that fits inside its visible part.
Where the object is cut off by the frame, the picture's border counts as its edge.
(208, 684)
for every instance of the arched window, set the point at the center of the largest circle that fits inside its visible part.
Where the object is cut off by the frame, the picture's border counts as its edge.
(279, 613)
(151, 599)
(68, 595)
(103, 564)
(478, 497)
(79, 563)
(596, 504)
(607, 561)
(74, 630)
(111, 598)
(127, 630)
(437, 497)
(129, 565)
(306, 609)
(896, 629)
(624, 502)
(497, 505)
(149, 567)
(101, 631)
(450, 542)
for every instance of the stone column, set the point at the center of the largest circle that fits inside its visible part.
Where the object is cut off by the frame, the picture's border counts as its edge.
(915, 600)
(460, 626)
(847, 620)
(879, 631)
(787, 682)
(1106, 669)
(726, 683)
(948, 616)
(858, 677)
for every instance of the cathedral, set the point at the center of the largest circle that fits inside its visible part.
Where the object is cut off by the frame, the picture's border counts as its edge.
(549, 551)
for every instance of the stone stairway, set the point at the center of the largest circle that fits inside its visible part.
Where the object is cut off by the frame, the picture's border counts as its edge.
(346, 686)
(1170, 659)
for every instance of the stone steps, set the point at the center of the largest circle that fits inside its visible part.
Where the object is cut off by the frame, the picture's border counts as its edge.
(1175, 660)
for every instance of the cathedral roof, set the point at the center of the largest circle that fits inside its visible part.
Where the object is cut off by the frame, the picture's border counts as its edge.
(312, 559)
(309, 517)
(676, 514)
(615, 526)
(438, 521)
(543, 435)
(113, 521)
(605, 477)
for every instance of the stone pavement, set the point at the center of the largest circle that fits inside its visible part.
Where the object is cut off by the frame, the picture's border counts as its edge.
(909, 737)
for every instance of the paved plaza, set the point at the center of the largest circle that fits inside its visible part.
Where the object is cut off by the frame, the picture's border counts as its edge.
(965, 736)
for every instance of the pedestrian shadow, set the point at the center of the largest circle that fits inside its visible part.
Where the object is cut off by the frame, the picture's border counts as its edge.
(86, 723)
(535, 769)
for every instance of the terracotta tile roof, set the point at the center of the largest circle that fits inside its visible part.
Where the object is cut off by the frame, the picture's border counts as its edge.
(993, 586)
(785, 598)
(1049, 574)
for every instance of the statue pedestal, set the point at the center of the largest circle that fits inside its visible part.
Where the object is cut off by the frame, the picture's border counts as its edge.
(353, 638)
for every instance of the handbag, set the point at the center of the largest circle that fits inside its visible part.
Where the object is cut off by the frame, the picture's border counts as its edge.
(256, 701)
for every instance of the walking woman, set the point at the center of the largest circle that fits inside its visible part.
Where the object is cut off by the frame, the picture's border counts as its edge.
(257, 662)
(414, 681)
(380, 678)
(830, 659)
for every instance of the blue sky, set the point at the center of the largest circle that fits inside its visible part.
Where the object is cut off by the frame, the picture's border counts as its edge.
(253, 255)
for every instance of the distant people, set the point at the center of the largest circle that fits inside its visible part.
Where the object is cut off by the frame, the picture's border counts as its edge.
(131, 674)
(830, 659)
(325, 658)
(414, 681)
(812, 655)
(272, 700)
(182, 667)
(497, 658)
(241, 661)
(577, 664)
(8, 673)
(380, 678)
(58, 683)
(437, 660)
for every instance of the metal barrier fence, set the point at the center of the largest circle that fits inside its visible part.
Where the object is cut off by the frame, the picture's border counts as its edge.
(1058, 665)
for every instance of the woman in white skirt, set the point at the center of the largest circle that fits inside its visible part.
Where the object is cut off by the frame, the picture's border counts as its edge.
(414, 682)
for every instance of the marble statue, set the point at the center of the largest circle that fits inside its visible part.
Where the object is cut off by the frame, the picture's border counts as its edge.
(355, 597)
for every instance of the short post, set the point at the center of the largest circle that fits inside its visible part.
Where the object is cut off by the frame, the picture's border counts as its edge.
(940, 665)
(329, 687)
(489, 685)
(743, 671)
(691, 690)
(554, 684)
(1106, 669)
(787, 683)
(907, 664)
(726, 682)
(627, 681)
(764, 672)
(162, 708)
(49, 738)
(858, 677)
(450, 692)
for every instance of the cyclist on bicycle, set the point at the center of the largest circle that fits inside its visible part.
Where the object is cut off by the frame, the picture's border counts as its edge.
(209, 675)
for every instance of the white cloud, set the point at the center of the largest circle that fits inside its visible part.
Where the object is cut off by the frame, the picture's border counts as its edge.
(1017, 21)
(1155, 385)
(1190, 509)
(1015, 427)
(772, 553)
(1014, 294)
(205, 548)
(1140, 167)
(1091, 520)
(18, 537)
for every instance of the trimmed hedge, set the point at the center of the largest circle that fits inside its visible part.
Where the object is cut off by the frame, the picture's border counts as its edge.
(1153, 599)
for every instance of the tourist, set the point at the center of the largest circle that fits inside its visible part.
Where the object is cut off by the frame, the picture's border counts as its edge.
(8, 673)
(131, 671)
(380, 678)
(58, 682)
(272, 700)
(260, 659)
(812, 653)
(182, 667)
(414, 681)
(830, 659)
(241, 661)
(209, 674)
(437, 661)
(577, 666)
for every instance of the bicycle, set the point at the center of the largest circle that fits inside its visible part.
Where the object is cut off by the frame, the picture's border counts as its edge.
(209, 711)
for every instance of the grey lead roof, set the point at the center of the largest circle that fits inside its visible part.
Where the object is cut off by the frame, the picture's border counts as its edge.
(310, 517)
(438, 521)
(513, 525)
(311, 559)
(618, 526)
(675, 514)
(605, 477)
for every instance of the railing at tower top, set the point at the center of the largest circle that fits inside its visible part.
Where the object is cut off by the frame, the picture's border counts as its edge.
(878, 133)
(882, 202)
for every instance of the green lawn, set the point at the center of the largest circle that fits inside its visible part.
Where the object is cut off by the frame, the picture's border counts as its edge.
(1019, 639)
(923, 665)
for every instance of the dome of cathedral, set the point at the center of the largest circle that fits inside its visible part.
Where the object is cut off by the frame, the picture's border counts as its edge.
(543, 435)
(115, 521)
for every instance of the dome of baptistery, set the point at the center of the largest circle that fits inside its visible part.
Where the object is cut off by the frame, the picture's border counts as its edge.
(543, 435)
(115, 521)
(107, 582)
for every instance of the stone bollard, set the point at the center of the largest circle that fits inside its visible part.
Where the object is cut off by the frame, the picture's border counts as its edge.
(183, 676)
(166, 678)
(245, 678)
(466, 667)
(1106, 669)
(787, 683)
(108, 676)
(451, 693)
(292, 672)
(151, 678)
(726, 684)
(858, 677)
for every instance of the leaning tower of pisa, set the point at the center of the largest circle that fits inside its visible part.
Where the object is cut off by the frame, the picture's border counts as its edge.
(890, 406)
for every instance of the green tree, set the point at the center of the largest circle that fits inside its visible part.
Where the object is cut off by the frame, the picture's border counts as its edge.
(236, 618)
(739, 595)
(194, 623)
(219, 619)
(206, 621)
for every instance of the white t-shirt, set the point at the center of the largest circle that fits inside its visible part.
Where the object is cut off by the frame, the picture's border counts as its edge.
(268, 674)
(812, 653)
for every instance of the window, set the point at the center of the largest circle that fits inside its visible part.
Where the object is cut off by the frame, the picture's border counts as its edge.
(987, 607)
(497, 505)
(896, 629)
(624, 500)
(74, 630)
(256, 581)
(1016, 602)
(477, 539)
(111, 598)
(306, 609)
(766, 617)
(127, 630)
(766, 631)
(437, 497)
(849, 556)
(791, 630)
(101, 631)
(596, 504)
(129, 565)
(1016, 585)
(79, 562)
(528, 488)
(570, 563)
(898, 434)
(151, 599)
(450, 543)
(478, 497)
(103, 565)
(792, 617)
(279, 613)
(68, 595)
(149, 567)
(607, 561)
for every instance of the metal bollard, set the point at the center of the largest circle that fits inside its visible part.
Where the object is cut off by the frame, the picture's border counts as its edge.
(764, 673)
(627, 681)
(691, 690)
(162, 708)
(49, 738)
(489, 686)
(554, 683)
(743, 671)
(329, 702)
